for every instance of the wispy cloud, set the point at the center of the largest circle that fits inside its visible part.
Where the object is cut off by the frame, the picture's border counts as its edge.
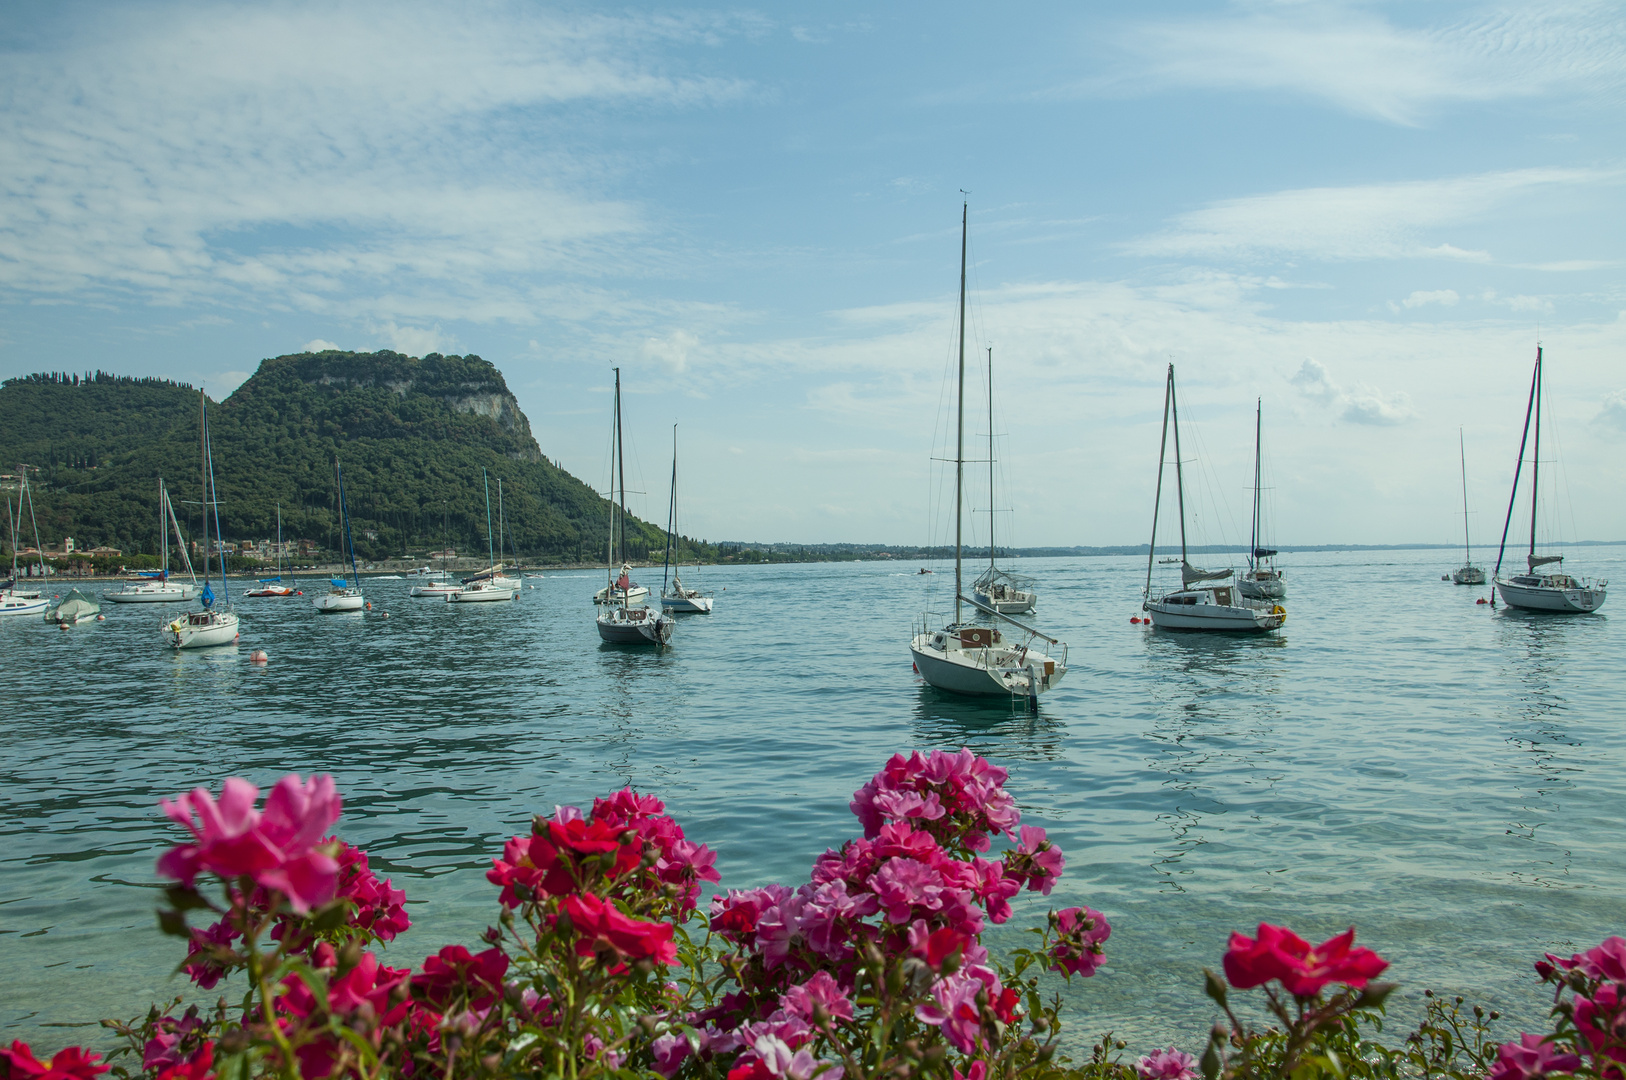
(1362, 62)
(1362, 405)
(1407, 219)
(352, 161)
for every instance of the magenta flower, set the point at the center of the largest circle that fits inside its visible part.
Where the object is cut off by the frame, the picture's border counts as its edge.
(1530, 1058)
(1601, 1020)
(1303, 969)
(904, 885)
(1080, 933)
(821, 989)
(1036, 861)
(1605, 961)
(277, 848)
(1167, 1064)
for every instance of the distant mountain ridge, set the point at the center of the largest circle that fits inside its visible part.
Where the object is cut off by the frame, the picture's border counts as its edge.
(412, 433)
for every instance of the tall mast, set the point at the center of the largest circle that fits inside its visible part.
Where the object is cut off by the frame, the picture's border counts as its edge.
(214, 502)
(959, 445)
(1157, 500)
(1518, 468)
(671, 513)
(1258, 421)
(1535, 465)
(491, 551)
(203, 483)
(1462, 453)
(502, 522)
(621, 464)
(279, 541)
(992, 513)
(1179, 476)
(163, 534)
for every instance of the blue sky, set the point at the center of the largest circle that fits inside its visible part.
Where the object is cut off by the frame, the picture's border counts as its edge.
(1364, 214)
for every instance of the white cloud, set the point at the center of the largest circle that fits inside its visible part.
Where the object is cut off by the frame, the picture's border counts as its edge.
(364, 161)
(1421, 298)
(1368, 221)
(1363, 63)
(1312, 381)
(318, 345)
(672, 350)
(1613, 413)
(1364, 405)
(415, 340)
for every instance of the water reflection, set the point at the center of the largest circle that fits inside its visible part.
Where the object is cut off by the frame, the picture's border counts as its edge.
(1002, 726)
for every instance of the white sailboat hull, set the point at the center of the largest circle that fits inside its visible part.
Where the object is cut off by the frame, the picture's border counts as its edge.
(481, 595)
(202, 629)
(693, 605)
(608, 595)
(337, 602)
(1012, 602)
(1468, 575)
(1576, 599)
(167, 593)
(1266, 586)
(994, 671)
(439, 589)
(633, 626)
(1174, 612)
(14, 604)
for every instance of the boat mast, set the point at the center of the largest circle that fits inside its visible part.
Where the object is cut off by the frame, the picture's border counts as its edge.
(491, 552)
(671, 513)
(344, 519)
(1467, 546)
(1179, 476)
(1513, 495)
(1157, 499)
(163, 535)
(992, 513)
(1258, 421)
(959, 445)
(621, 464)
(279, 542)
(502, 522)
(1535, 467)
(203, 482)
(214, 501)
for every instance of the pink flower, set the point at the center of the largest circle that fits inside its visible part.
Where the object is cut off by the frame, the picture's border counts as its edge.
(1303, 970)
(277, 848)
(201, 1067)
(828, 914)
(904, 885)
(168, 1046)
(1168, 1064)
(73, 1063)
(1605, 961)
(672, 1049)
(360, 997)
(736, 916)
(1080, 933)
(200, 965)
(954, 1010)
(380, 907)
(1530, 1058)
(822, 990)
(1601, 1020)
(1036, 861)
(978, 1071)
(994, 889)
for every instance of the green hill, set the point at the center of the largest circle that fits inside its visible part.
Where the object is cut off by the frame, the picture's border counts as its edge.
(412, 434)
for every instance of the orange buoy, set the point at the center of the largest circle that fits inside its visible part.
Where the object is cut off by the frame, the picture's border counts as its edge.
(369, 605)
(1134, 619)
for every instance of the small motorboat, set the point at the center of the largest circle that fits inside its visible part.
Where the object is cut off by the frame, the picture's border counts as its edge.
(75, 608)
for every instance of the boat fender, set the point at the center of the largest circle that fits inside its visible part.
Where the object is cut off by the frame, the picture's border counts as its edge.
(1278, 610)
(916, 667)
(63, 624)
(101, 618)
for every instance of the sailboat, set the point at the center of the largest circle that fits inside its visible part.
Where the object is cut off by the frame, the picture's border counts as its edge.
(1261, 581)
(212, 625)
(1005, 592)
(274, 586)
(343, 596)
(678, 596)
(160, 589)
(1205, 600)
(1469, 574)
(489, 585)
(974, 660)
(18, 599)
(619, 620)
(444, 586)
(1538, 589)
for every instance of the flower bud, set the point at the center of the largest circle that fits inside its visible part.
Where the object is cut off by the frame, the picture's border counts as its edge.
(490, 1062)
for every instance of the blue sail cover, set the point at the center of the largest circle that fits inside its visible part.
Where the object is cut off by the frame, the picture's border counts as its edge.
(338, 582)
(207, 596)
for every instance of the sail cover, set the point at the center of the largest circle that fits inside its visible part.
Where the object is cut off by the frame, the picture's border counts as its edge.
(77, 606)
(1263, 553)
(1190, 575)
(207, 597)
(1543, 560)
(338, 582)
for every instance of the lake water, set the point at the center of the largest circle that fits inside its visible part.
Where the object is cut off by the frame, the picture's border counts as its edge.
(1448, 778)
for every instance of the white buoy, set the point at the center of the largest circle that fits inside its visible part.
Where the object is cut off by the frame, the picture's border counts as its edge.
(259, 656)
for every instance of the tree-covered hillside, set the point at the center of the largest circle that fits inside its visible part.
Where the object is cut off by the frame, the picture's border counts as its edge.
(412, 434)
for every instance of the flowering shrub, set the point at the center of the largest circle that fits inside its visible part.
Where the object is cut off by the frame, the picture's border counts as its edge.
(600, 963)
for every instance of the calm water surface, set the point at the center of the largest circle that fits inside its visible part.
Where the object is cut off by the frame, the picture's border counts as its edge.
(1450, 779)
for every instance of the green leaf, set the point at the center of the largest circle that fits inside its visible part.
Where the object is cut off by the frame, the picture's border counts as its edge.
(182, 898)
(173, 923)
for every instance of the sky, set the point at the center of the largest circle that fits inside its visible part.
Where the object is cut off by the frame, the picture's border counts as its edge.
(1362, 217)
